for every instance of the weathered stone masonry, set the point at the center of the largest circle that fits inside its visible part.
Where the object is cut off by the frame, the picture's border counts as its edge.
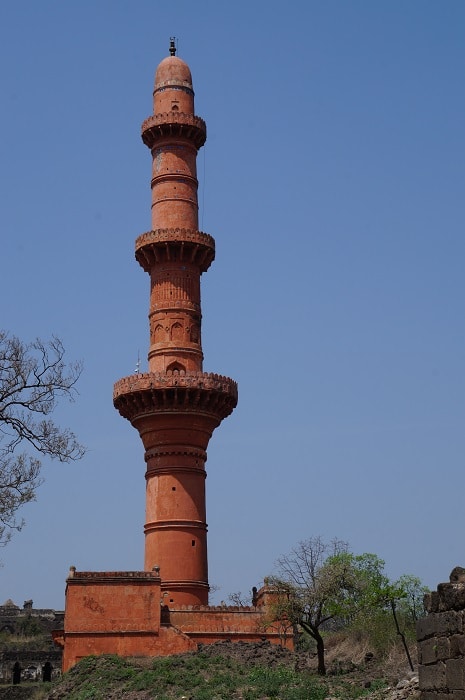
(441, 641)
(41, 664)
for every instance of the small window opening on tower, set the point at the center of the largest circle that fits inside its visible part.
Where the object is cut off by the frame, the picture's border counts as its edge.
(193, 543)
(173, 488)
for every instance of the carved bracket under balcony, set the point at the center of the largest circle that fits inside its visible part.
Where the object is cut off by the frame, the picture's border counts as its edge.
(175, 244)
(195, 392)
(175, 124)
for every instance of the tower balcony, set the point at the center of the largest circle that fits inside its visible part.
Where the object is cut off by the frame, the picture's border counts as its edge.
(174, 124)
(175, 245)
(181, 393)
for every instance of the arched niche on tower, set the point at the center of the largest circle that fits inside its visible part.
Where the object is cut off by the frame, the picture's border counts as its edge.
(177, 331)
(176, 367)
(159, 333)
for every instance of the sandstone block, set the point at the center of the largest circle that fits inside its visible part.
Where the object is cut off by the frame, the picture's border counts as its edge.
(431, 601)
(455, 674)
(451, 596)
(448, 623)
(432, 677)
(426, 627)
(457, 645)
(434, 649)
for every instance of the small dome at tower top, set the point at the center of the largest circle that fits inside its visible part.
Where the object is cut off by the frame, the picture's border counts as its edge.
(173, 70)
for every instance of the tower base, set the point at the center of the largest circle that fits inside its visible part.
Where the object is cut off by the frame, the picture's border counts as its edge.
(124, 613)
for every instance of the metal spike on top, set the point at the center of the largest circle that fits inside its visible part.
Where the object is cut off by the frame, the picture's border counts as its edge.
(172, 46)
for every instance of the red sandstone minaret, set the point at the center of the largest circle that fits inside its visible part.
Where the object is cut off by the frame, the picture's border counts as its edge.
(175, 406)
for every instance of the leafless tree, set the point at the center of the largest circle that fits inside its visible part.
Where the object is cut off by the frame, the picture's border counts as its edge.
(308, 587)
(240, 599)
(33, 377)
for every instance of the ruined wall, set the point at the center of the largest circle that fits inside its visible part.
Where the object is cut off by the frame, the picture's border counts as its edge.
(28, 620)
(38, 661)
(441, 641)
(207, 625)
(18, 666)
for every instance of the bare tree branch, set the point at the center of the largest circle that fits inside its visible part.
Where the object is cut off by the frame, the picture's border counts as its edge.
(33, 378)
(312, 587)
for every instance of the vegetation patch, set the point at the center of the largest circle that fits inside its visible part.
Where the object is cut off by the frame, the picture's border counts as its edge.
(206, 676)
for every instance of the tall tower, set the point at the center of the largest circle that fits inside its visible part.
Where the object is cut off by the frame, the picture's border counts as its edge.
(175, 406)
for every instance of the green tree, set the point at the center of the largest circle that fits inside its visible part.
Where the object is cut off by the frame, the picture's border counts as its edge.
(411, 593)
(318, 582)
(33, 377)
(364, 585)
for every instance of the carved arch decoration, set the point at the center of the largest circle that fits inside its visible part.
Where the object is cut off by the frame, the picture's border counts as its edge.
(177, 331)
(159, 333)
(176, 367)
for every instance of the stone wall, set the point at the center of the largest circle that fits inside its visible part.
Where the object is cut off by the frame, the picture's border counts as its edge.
(18, 666)
(26, 648)
(16, 620)
(441, 641)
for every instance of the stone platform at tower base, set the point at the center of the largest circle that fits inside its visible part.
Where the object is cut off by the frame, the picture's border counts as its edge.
(123, 613)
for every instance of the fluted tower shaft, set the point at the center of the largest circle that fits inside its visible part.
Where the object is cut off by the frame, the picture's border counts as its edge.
(175, 406)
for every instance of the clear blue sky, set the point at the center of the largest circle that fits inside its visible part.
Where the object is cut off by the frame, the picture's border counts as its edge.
(333, 181)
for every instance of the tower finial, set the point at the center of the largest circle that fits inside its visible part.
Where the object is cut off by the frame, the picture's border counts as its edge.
(172, 46)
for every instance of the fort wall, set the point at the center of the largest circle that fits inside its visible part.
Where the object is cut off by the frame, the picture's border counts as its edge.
(441, 641)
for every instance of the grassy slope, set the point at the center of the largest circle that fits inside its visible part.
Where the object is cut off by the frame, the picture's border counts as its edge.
(205, 676)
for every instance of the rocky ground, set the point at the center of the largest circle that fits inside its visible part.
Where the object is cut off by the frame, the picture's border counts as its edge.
(351, 670)
(357, 666)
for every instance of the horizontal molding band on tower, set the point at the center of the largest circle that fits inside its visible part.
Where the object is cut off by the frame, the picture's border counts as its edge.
(188, 348)
(174, 198)
(183, 584)
(175, 244)
(175, 306)
(177, 124)
(182, 178)
(175, 525)
(184, 450)
(169, 470)
(175, 84)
